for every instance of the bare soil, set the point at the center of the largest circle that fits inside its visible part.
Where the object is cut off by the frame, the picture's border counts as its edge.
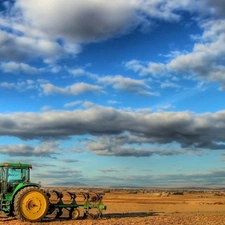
(127, 207)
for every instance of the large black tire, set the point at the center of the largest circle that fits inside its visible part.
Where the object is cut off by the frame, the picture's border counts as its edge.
(31, 204)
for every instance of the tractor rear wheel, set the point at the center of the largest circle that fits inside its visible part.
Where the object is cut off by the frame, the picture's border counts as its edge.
(31, 204)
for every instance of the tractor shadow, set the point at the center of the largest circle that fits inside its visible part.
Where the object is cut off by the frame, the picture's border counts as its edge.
(107, 216)
(104, 216)
(133, 214)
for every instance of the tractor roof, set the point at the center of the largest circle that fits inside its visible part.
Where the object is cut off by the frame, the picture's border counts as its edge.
(16, 165)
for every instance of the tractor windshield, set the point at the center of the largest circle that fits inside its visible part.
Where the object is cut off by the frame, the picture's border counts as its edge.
(16, 175)
(10, 177)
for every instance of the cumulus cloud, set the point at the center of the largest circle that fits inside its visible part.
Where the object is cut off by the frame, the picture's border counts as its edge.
(190, 131)
(20, 86)
(19, 48)
(93, 20)
(205, 62)
(53, 29)
(119, 82)
(72, 104)
(108, 147)
(78, 72)
(151, 68)
(169, 84)
(216, 7)
(45, 149)
(17, 68)
(74, 89)
(80, 21)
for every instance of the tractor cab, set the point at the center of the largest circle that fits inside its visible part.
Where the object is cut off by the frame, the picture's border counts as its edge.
(13, 178)
(12, 174)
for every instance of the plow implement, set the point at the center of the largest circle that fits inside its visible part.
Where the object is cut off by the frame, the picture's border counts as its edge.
(27, 201)
(75, 203)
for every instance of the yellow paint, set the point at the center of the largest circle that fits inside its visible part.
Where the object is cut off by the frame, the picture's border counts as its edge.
(33, 205)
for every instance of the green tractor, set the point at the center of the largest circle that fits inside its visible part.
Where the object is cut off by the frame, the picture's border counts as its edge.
(28, 202)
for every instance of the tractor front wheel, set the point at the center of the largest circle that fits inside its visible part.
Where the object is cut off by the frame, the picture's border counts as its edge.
(31, 204)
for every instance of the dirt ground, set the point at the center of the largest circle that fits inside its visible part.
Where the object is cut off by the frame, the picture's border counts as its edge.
(143, 207)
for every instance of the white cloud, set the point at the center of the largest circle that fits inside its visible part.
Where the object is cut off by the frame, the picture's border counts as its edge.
(74, 89)
(137, 134)
(135, 65)
(119, 82)
(7, 85)
(19, 86)
(152, 68)
(20, 47)
(42, 150)
(77, 20)
(72, 104)
(82, 72)
(17, 68)
(78, 72)
(166, 107)
(54, 28)
(205, 62)
(3, 37)
(216, 7)
(46, 108)
(168, 84)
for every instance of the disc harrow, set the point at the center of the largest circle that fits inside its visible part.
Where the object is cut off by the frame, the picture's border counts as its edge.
(67, 201)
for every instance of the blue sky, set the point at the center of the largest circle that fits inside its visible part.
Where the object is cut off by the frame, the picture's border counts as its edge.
(122, 93)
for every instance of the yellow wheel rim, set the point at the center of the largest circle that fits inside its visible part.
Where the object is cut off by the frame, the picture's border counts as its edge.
(33, 205)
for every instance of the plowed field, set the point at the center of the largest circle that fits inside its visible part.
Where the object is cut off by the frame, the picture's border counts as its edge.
(153, 208)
